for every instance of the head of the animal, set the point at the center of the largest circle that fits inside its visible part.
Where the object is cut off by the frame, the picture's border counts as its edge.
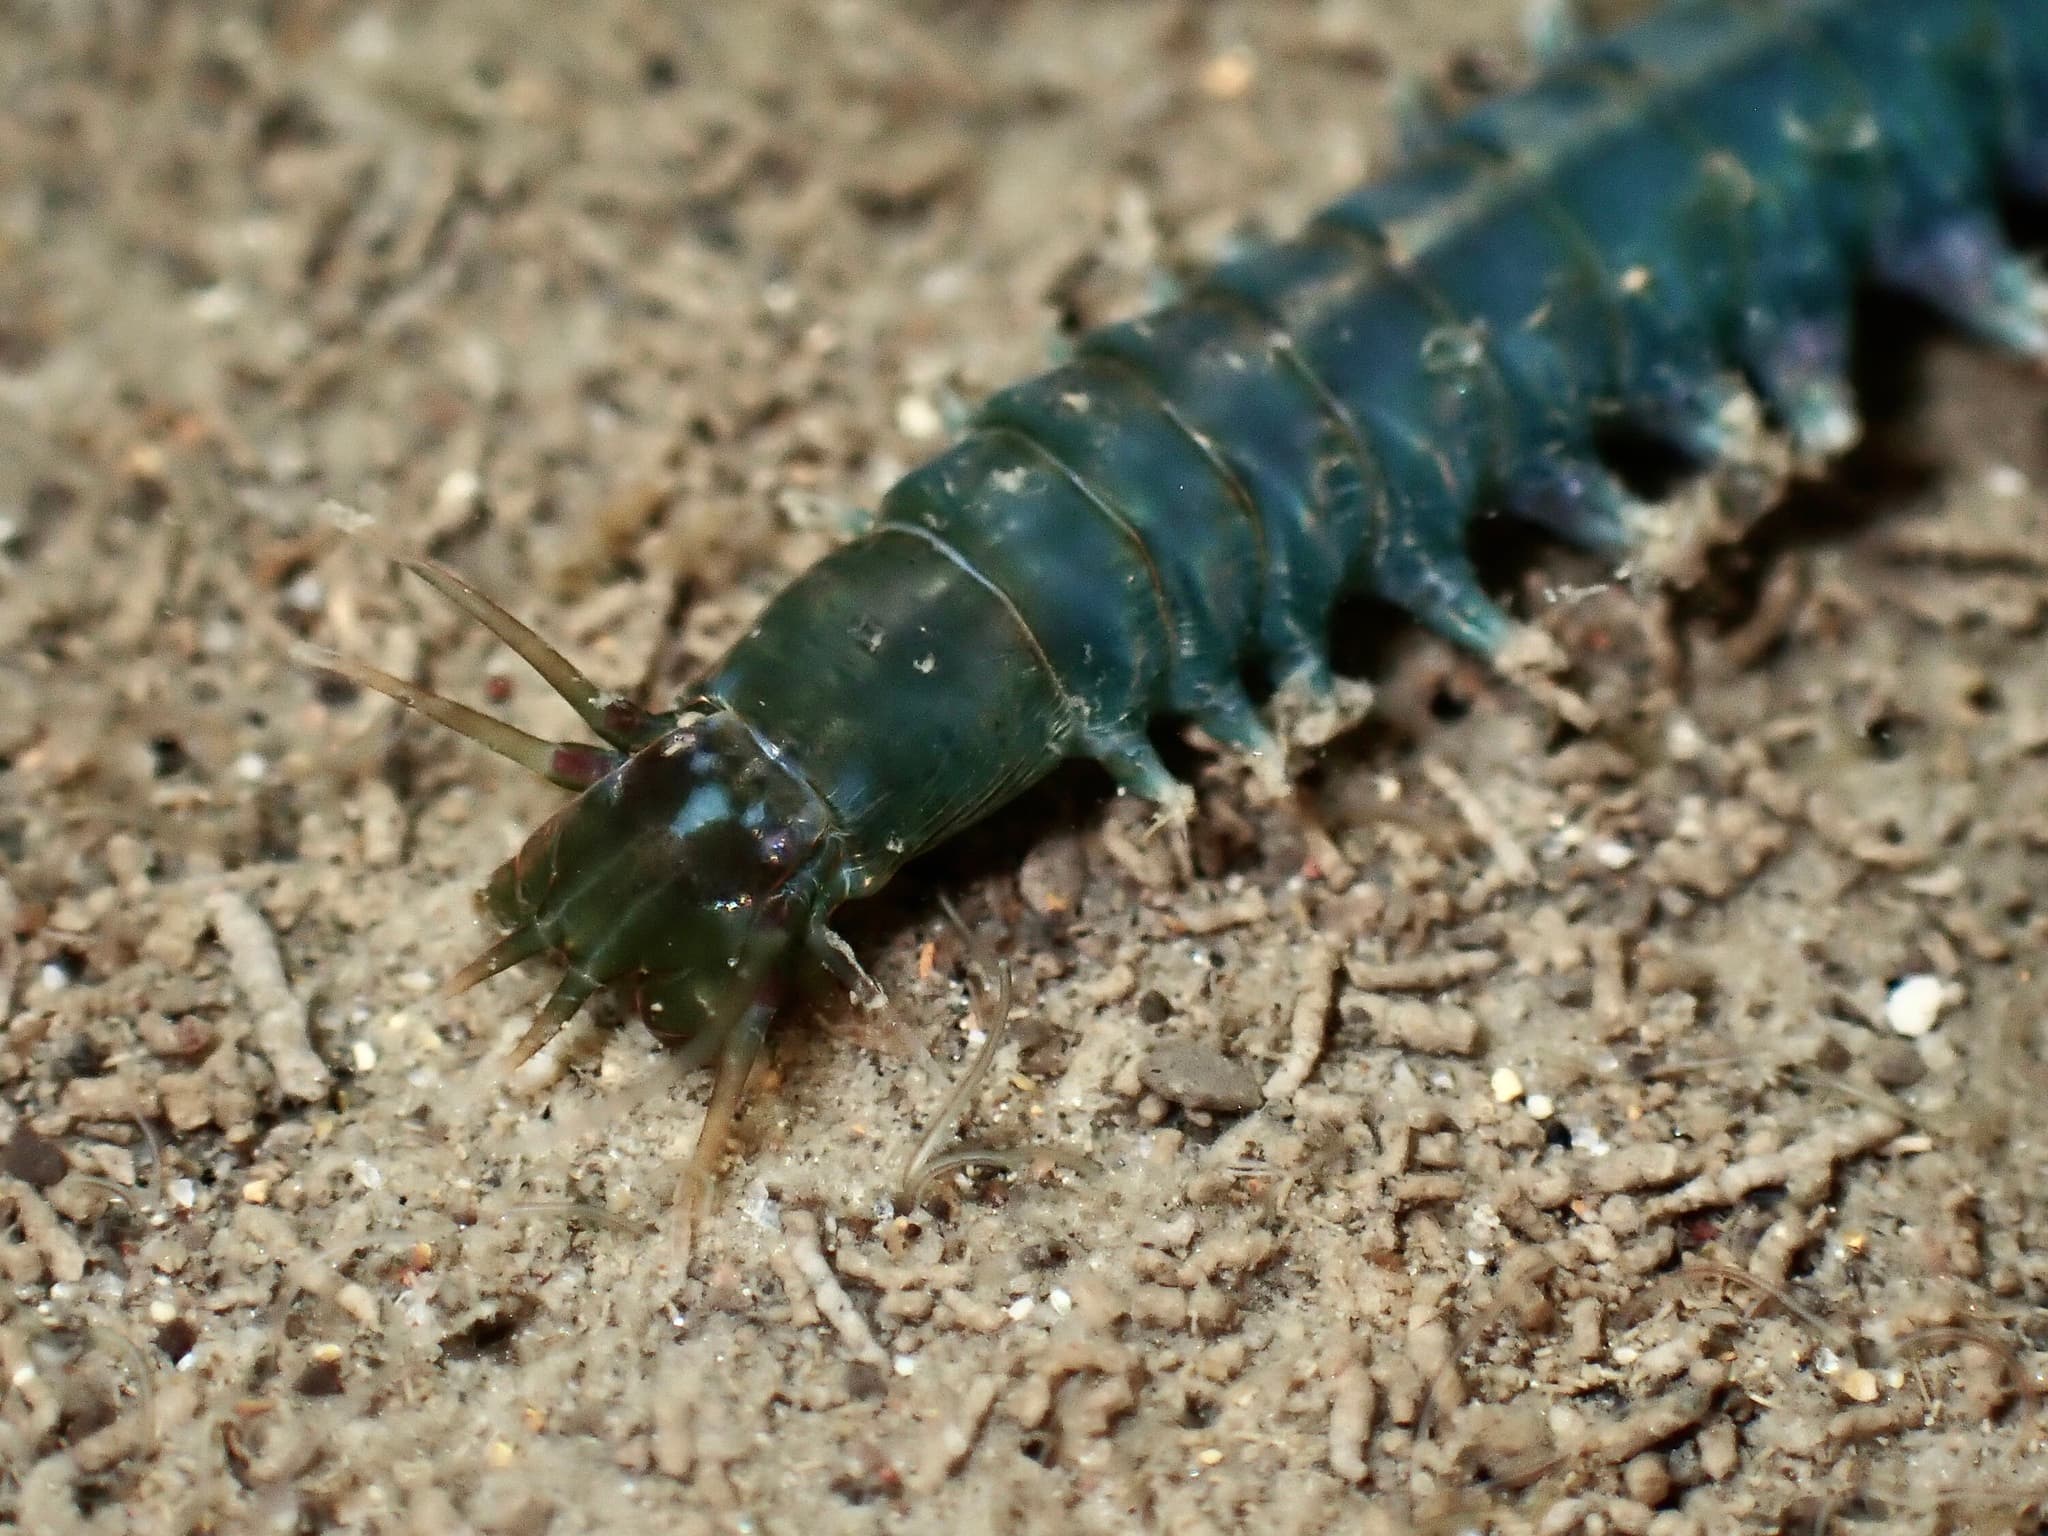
(693, 870)
(690, 875)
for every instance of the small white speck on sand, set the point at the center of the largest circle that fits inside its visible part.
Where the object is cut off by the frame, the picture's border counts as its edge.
(1915, 1004)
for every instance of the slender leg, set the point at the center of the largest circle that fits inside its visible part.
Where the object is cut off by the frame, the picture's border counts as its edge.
(1232, 720)
(1136, 767)
(1312, 706)
(1577, 498)
(1801, 366)
(1965, 268)
(1697, 414)
(1438, 587)
(737, 1054)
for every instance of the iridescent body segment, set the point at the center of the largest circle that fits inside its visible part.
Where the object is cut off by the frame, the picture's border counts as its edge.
(1670, 221)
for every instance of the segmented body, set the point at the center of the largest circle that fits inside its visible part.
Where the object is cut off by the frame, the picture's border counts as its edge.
(1666, 225)
(1694, 198)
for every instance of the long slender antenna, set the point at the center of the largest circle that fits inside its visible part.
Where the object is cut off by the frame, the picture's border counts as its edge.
(568, 764)
(618, 720)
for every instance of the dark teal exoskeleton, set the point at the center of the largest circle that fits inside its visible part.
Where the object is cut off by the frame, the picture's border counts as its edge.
(1666, 228)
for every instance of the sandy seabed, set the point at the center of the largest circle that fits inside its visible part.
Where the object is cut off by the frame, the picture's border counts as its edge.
(1658, 1139)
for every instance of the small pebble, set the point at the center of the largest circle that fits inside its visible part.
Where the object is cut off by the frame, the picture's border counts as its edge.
(1720, 1452)
(1228, 75)
(1647, 1479)
(1051, 877)
(1507, 1085)
(35, 1160)
(357, 1303)
(1614, 855)
(307, 594)
(1915, 1005)
(1200, 1077)
(1896, 1064)
(1859, 1385)
(2006, 480)
(457, 494)
(918, 419)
